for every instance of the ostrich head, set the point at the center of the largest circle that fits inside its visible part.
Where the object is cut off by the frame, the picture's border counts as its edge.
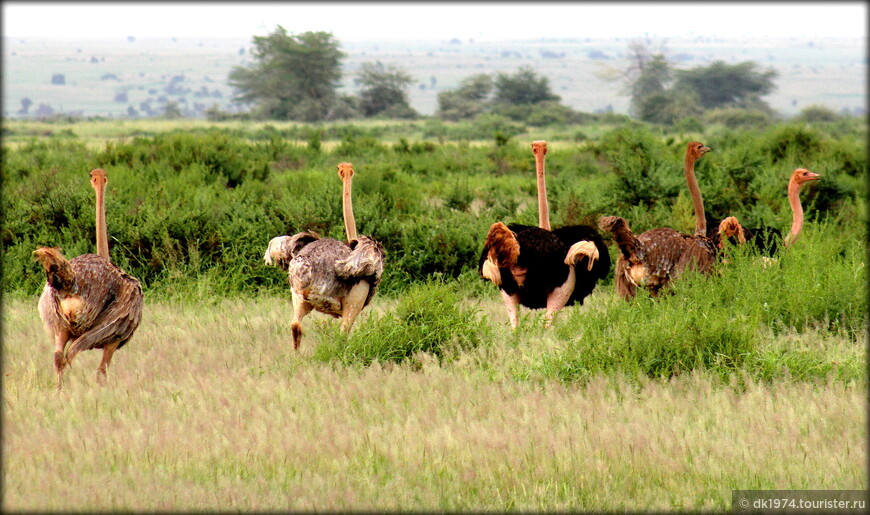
(696, 149)
(539, 147)
(345, 170)
(801, 175)
(98, 178)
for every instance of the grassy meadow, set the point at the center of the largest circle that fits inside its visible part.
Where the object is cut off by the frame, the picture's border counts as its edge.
(754, 378)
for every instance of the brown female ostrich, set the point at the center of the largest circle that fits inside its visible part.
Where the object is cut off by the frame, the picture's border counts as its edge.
(766, 238)
(334, 277)
(540, 268)
(658, 256)
(88, 300)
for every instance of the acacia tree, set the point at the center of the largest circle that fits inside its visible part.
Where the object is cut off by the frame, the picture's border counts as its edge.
(293, 77)
(728, 85)
(523, 88)
(384, 91)
(659, 98)
(468, 100)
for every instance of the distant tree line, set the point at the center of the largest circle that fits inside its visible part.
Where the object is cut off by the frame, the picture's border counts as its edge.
(297, 77)
(661, 94)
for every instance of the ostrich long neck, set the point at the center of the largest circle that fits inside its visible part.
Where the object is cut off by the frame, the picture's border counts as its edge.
(102, 232)
(543, 207)
(697, 201)
(347, 204)
(797, 212)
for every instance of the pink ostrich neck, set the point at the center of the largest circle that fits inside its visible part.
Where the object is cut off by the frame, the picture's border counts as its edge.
(797, 211)
(102, 232)
(695, 191)
(347, 204)
(540, 150)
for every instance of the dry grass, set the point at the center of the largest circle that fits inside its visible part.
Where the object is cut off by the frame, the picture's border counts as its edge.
(209, 408)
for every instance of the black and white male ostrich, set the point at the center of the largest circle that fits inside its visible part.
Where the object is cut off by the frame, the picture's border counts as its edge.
(88, 301)
(766, 239)
(542, 268)
(334, 277)
(656, 257)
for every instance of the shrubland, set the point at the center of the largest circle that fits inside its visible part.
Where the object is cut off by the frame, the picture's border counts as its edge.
(754, 377)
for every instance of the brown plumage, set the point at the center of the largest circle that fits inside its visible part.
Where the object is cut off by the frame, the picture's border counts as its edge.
(656, 257)
(88, 302)
(542, 268)
(334, 277)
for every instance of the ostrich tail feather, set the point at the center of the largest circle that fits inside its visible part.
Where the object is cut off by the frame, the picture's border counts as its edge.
(582, 249)
(366, 259)
(58, 271)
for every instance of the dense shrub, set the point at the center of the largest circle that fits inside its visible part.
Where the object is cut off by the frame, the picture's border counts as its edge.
(194, 207)
(430, 318)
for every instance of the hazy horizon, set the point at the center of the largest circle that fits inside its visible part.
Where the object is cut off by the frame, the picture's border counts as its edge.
(435, 21)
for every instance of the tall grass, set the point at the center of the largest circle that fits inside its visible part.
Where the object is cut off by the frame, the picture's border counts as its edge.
(734, 320)
(209, 408)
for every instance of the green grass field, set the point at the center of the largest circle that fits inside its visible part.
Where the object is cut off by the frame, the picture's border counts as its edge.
(209, 408)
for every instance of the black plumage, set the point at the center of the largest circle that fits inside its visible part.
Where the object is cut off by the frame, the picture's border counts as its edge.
(765, 239)
(542, 254)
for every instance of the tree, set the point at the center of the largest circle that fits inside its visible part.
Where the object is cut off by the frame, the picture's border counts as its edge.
(728, 85)
(651, 82)
(384, 91)
(468, 100)
(293, 77)
(172, 111)
(25, 105)
(522, 88)
(659, 98)
(667, 106)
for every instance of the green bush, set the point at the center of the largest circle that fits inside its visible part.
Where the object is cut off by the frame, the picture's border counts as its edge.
(430, 317)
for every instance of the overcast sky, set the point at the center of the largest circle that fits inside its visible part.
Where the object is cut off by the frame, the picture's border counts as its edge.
(389, 21)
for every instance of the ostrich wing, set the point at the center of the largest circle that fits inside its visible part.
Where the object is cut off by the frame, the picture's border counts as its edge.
(700, 254)
(500, 250)
(501, 246)
(282, 249)
(573, 234)
(366, 259)
(119, 317)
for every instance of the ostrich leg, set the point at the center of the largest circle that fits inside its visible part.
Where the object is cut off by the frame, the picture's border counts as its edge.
(557, 299)
(352, 304)
(108, 351)
(511, 302)
(300, 309)
(60, 361)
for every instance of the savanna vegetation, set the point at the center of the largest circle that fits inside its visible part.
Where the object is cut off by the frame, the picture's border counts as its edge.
(754, 378)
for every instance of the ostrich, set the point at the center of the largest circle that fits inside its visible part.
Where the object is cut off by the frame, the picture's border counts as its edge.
(656, 257)
(766, 238)
(88, 301)
(334, 277)
(542, 268)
